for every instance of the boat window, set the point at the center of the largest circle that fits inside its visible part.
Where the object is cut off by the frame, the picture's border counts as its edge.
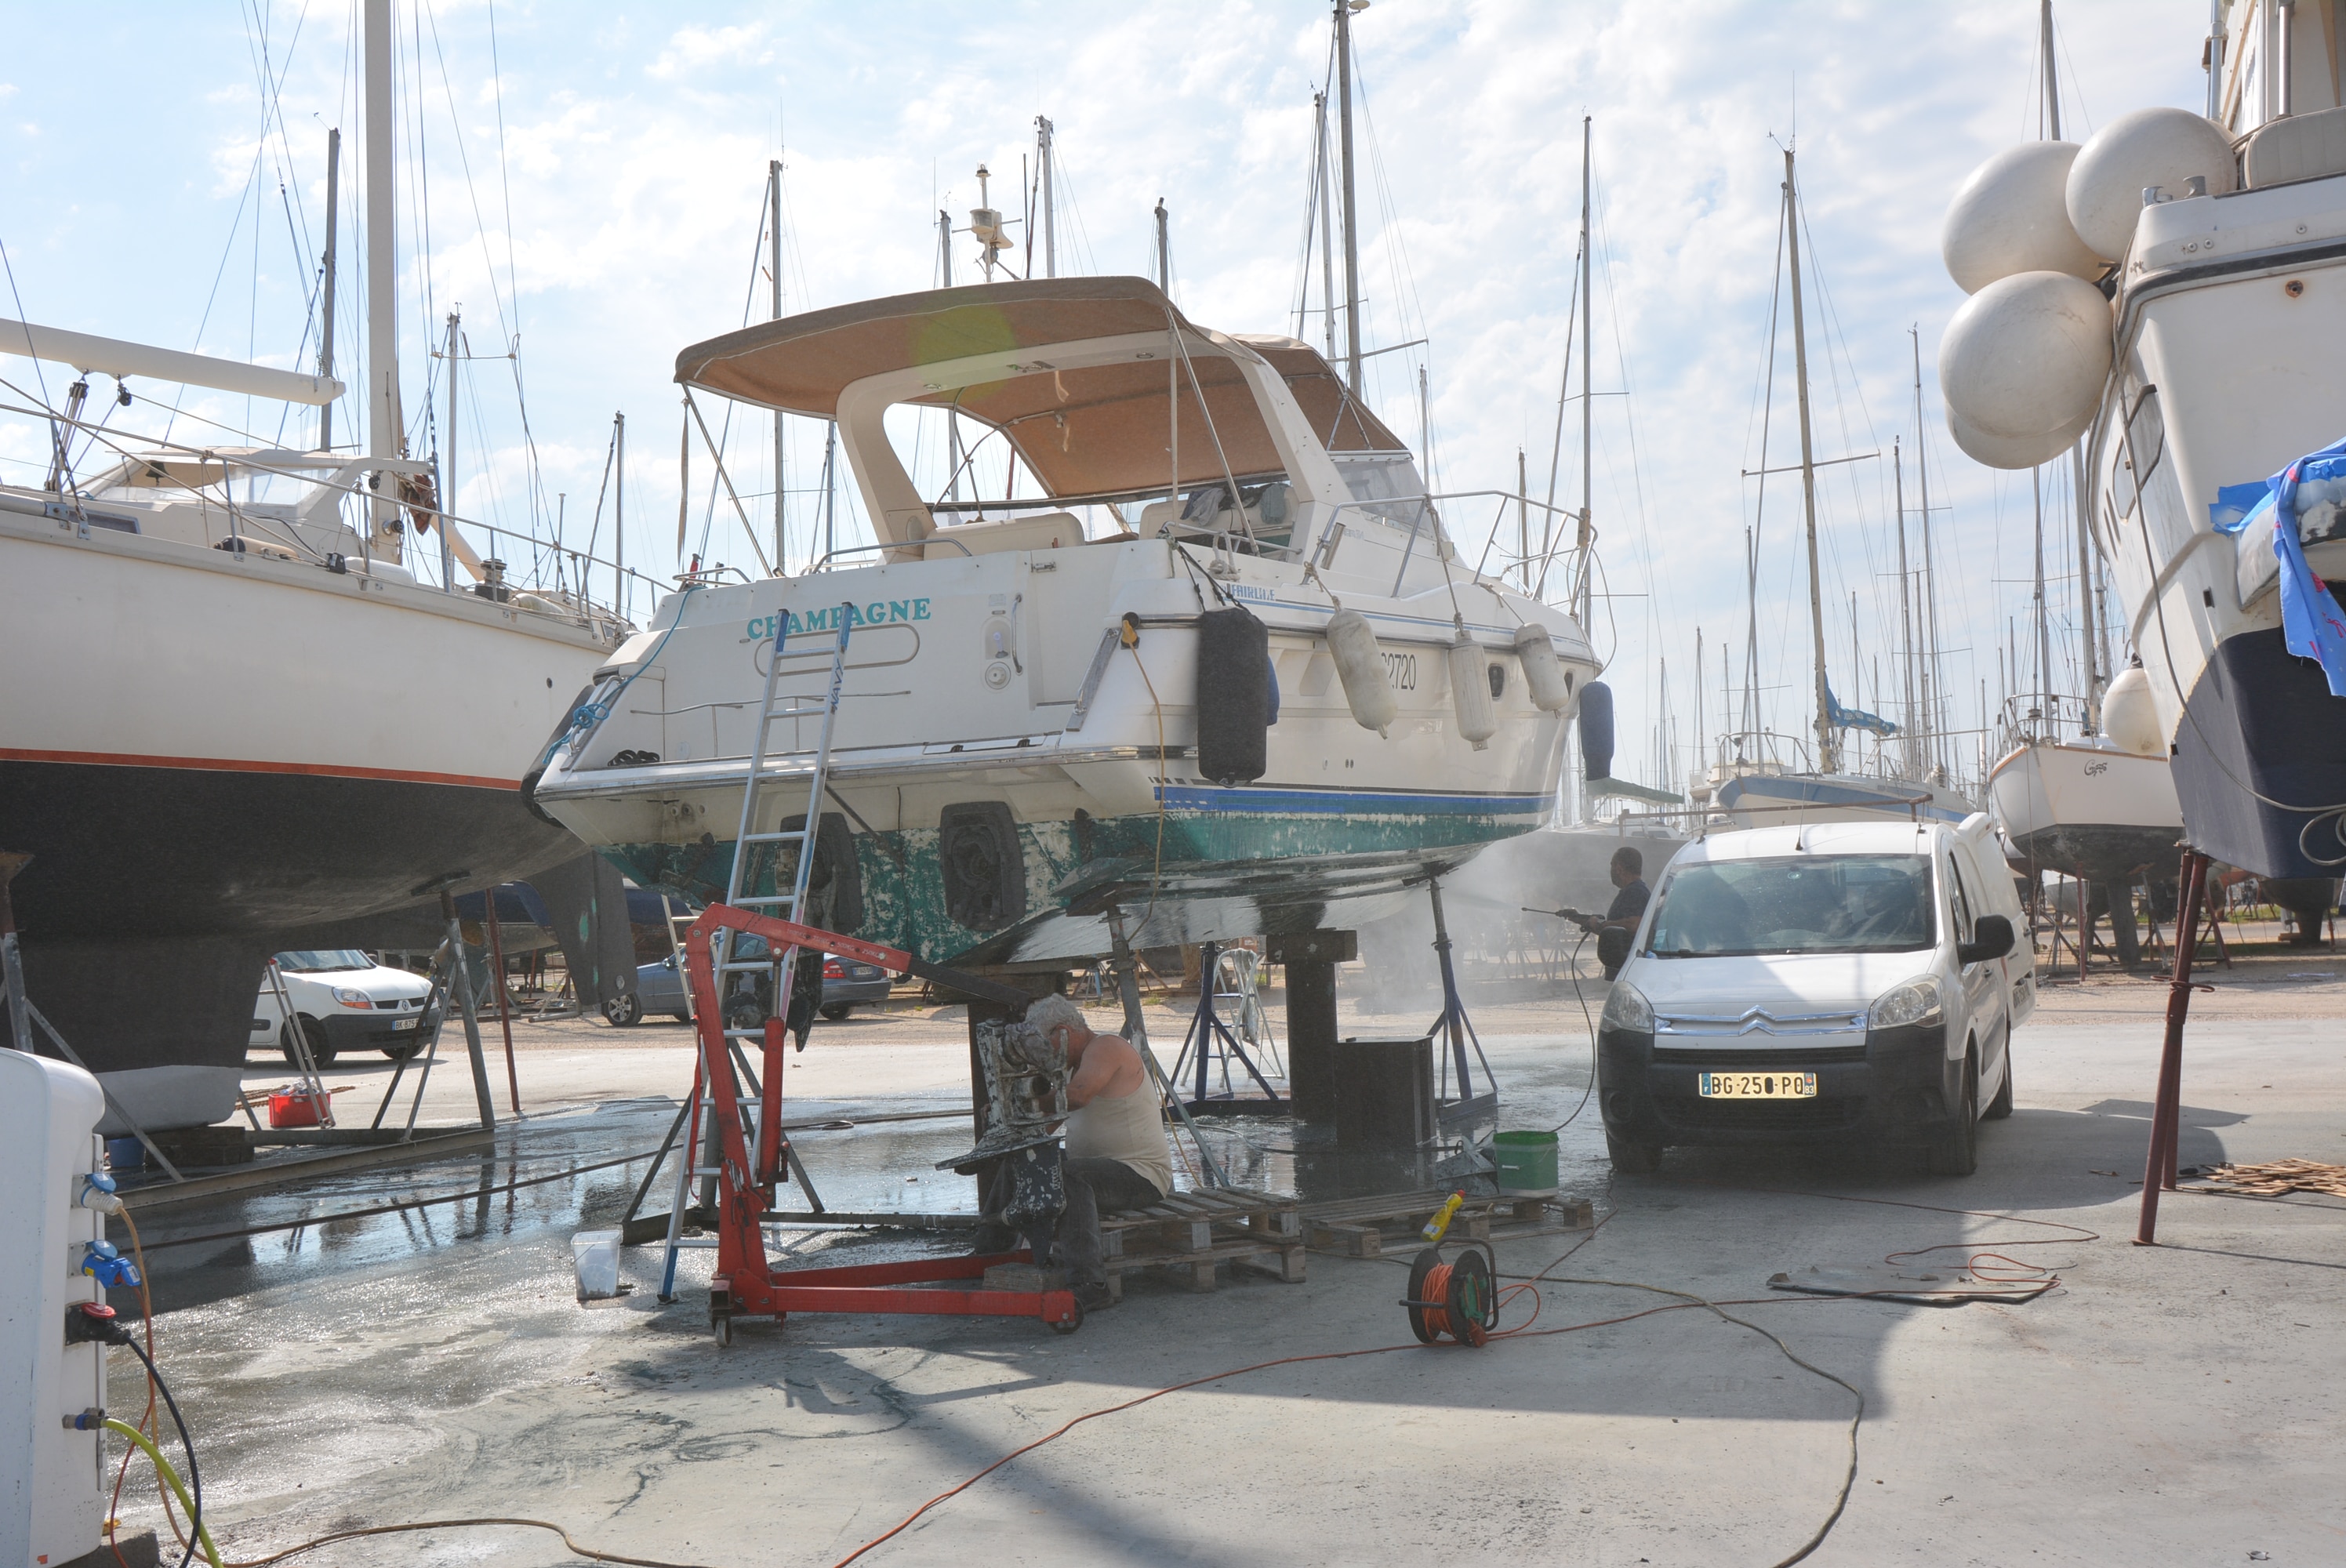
(1810, 903)
(1387, 481)
(2142, 474)
(322, 960)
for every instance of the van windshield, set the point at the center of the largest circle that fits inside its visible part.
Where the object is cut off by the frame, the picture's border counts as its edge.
(324, 961)
(1811, 904)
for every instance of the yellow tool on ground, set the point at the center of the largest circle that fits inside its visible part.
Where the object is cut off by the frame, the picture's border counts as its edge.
(1442, 1217)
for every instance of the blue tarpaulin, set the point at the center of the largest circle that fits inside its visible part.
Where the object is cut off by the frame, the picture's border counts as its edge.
(2312, 625)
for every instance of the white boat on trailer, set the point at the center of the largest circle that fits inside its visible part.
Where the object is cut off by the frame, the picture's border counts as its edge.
(1032, 716)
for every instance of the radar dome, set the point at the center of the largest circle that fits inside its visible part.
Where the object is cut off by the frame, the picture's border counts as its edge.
(2164, 147)
(2013, 216)
(2023, 362)
(2130, 714)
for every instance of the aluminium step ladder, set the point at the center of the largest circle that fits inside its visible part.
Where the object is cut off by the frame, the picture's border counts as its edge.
(700, 1155)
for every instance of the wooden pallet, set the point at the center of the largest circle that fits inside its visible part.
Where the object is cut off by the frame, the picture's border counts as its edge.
(1366, 1226)
(1190, 1234)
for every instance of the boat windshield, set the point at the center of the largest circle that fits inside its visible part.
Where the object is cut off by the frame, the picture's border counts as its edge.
(1812, 903)
(324, 961)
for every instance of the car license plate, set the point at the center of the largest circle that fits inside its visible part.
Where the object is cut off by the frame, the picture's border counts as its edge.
(411, 1023)
(1757, 1086)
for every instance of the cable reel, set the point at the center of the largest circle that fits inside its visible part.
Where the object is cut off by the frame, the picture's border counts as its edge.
(1457, 1298)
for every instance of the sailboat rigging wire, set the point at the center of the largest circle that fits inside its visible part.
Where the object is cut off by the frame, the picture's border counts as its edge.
(717, 457)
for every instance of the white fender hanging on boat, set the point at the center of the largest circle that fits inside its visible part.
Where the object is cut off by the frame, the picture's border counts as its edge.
(2164, 148)
(1360, 665)
(1470, 691)
(1543, 674)
(2130, 714)
(2013, 216)
(2023, 362)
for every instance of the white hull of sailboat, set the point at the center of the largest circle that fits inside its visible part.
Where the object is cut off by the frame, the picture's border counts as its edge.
(2092, 812)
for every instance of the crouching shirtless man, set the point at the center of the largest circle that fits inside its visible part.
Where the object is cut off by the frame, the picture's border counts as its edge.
(1117, 1155)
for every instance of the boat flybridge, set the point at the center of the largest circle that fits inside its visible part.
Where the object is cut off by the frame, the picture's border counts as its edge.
(1262, 694)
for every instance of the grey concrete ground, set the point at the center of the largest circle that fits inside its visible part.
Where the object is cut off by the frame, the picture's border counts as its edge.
(2176, 1405)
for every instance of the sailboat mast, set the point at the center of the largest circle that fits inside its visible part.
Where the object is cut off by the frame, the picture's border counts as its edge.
(774, 272)
(2044, 630)
(1327, 231)
(1045, 158)
(1351, 230)
(448, 463)
(2092, 661)
(1587, 323)
(382, 280)
(619, 528)
(1927, 602)
(1905, 616)
(1828, 754)
(953, 422)
(1164, 249)
(2044, 49)
(326, 286)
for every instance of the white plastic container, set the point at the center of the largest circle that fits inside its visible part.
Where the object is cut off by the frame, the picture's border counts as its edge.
(595, 1256)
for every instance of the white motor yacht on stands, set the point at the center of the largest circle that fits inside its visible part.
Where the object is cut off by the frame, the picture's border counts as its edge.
(2173, 292)
(1263, 697)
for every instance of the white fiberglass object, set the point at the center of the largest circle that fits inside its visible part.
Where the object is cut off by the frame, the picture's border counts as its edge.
(2164, 149)
(51, 1507)
(2023, 364)
(2012, 216)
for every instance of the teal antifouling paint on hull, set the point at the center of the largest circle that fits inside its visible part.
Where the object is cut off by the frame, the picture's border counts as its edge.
(1213, 843)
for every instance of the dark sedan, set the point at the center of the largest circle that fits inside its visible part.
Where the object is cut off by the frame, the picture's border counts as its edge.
(847, 984)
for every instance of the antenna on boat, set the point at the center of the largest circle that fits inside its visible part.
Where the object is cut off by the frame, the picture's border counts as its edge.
(1344, 9)
(1164, 252)
(985, 223)
(1827, 750)
(953, 423)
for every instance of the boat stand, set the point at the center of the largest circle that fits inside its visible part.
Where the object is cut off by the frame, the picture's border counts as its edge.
(1455, 1030)
(1212, 1041)
(2166, 1106)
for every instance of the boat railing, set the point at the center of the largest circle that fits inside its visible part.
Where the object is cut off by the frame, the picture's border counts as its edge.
(573, 602)
(2029, 716)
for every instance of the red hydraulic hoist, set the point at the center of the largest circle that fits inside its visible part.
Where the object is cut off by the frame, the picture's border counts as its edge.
(745, 1284)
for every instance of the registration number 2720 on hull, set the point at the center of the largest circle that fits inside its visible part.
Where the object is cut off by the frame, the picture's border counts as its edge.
(1757, 1086)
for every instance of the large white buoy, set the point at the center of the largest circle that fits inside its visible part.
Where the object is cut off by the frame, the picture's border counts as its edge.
(1551, 688)
(1998, 452)
(1470, 691)
(2013, 216)
(2164, 147)
(1360, 665)
(2130, 714)
(2025, 358)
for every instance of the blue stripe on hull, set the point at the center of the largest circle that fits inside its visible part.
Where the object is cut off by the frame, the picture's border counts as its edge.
(1278, 802)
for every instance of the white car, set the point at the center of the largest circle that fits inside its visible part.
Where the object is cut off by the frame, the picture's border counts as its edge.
(1846, 982)
(346, 1001)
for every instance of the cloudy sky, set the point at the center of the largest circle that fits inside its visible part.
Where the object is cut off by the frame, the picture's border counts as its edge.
(592, 178)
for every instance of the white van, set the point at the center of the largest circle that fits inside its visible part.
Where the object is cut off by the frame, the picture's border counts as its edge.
(346, 1001)
(1836, 982)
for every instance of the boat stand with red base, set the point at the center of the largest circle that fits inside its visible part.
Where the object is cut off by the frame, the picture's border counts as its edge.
(752, 1156)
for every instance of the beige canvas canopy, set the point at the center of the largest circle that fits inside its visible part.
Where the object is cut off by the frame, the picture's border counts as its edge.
(1087, 430)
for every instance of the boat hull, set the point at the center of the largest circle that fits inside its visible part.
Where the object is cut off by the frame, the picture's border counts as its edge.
(1774, 799)
(2227, 373)
(994, 725)
(2090, 811)
(208, 754)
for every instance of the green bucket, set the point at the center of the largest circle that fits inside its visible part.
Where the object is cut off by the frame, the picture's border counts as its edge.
(1526, 1163)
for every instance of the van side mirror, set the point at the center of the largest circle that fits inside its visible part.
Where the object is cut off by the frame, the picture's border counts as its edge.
(1991, 938)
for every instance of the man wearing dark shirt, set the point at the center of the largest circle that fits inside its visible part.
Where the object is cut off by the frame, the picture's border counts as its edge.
(1615, 932)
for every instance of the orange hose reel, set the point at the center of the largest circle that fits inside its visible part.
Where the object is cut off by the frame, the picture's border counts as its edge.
(1459, 1299)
